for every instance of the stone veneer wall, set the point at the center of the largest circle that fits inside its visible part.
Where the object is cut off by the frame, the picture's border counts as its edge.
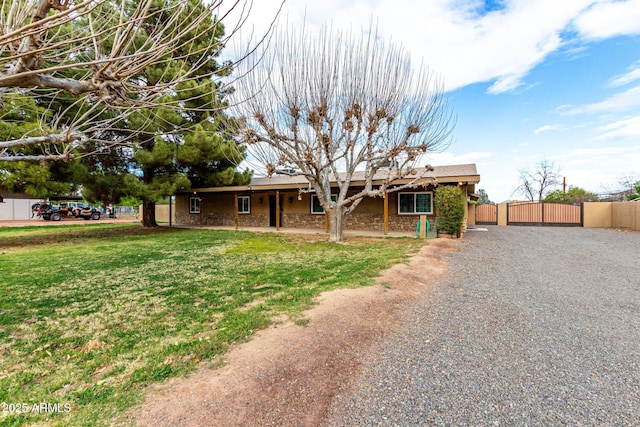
(355, 221)
(253, 220)
(296, 214)
(302, 220)
(364, 221)
(214, 219)
(406, 223)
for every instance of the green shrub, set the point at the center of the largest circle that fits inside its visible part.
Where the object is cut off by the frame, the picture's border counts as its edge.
(450, 207)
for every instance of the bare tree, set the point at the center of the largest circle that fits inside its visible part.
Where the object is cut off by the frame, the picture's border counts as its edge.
(628, 187)
(536, 183)
(93, 49)
(325, 105)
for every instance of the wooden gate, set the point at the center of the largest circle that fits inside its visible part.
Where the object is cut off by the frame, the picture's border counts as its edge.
(487, 214)
(544, 214)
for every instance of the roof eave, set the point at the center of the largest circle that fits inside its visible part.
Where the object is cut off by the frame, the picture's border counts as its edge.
(465, 179)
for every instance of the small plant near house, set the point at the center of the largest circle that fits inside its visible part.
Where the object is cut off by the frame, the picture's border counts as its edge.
(449, 201)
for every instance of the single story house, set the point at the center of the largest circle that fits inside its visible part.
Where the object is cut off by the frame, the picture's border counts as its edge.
(283, 201)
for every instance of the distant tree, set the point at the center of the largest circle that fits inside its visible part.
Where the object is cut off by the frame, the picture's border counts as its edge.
(325, 105)
(624, 189)
(536, 183)
(484, 198)
(573, 195)
(105, 174)
(636, 195)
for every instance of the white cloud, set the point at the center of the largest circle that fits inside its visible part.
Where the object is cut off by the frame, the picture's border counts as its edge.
(547, 128)
(609, 19)
(622, 101)
(452, 37)
(465, 47)
(460, 43)
(628, 127)
(629, 77)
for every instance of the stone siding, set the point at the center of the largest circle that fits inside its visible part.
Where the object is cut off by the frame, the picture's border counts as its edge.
(300, 220)
(213, 219)
(405, 223)
(364, 221)
(253, 220)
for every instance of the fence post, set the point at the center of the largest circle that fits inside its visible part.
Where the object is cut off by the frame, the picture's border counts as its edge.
(503, 214)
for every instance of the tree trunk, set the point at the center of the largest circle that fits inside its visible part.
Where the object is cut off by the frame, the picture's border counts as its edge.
(336, 222)
(149, 214)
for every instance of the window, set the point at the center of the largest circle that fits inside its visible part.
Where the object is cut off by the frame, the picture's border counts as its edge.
(316, 207)
(415, 203)
(194, 205)
(244, 204)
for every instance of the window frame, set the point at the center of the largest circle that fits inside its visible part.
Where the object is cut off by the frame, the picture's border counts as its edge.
(193, 201)
(243, 212)
(334, 197)
(414, 193)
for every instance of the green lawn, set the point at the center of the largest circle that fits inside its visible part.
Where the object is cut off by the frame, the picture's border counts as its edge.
(90, 315)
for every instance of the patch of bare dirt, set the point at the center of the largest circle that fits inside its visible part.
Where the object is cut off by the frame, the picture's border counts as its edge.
(288, 375)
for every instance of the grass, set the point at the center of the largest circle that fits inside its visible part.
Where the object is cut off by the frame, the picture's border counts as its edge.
(91, 315)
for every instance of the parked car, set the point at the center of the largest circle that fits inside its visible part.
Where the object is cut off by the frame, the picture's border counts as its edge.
(62, 209)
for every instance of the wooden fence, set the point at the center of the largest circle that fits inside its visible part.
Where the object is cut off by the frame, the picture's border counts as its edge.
(544, 214)
(487, 214)
(624, 215)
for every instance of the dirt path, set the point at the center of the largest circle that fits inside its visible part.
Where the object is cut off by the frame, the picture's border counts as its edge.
(288, 375)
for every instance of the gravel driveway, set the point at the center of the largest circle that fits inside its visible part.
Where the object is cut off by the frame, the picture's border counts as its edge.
(530, 326)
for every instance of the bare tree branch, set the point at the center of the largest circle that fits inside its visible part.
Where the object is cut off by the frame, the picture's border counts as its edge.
(537, 182)
(93, 49)
(326, 105)
(52, 139)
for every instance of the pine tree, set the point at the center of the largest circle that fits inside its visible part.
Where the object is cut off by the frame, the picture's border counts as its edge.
(174, 150)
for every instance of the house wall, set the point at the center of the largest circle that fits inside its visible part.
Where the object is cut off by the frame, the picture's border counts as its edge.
(297, 214)
(368, 215)
(218, 210)
(213, 211)
(471, 214)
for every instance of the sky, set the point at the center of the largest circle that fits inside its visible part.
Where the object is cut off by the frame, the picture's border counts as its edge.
(528, 80)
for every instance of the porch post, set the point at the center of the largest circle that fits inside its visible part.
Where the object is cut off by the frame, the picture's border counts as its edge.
(326, 222)
(235, 209)
(423, 226)
(277, 210)
(386, 213)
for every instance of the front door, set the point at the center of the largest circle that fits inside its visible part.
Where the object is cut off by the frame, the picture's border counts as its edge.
(272, 211)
